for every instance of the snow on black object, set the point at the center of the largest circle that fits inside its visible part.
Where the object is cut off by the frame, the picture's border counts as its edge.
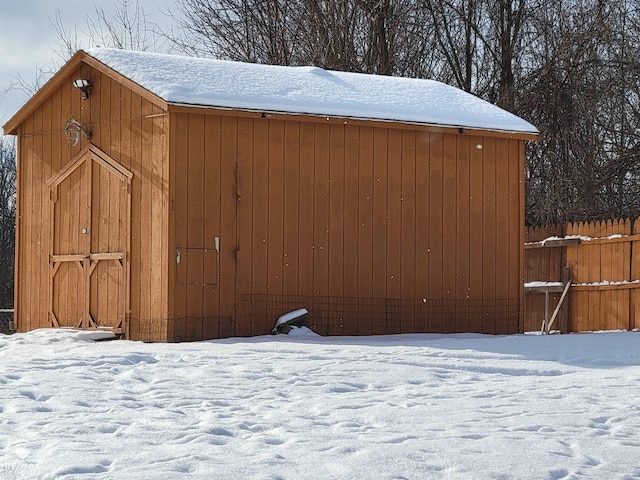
(296, 318)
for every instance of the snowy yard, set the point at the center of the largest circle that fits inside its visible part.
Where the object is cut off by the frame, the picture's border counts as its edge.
(306, 407)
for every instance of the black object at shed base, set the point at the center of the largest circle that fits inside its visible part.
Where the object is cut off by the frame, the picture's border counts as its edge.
(296, 318)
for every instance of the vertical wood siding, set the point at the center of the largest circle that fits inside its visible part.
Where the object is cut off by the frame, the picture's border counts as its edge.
(203, 154)
(373, 230)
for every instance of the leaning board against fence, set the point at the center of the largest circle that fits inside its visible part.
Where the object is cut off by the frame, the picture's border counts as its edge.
(542, 265)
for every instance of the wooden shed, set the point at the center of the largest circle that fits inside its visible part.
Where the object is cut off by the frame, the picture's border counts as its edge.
(172, 198)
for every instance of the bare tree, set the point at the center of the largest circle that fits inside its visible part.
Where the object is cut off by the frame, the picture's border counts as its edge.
(480, 42)
(29, 87)
(7, 219)
(508, 27)
(352, 35)
(582, 93)
(331, 34)
(126, 28)
(245, 30)
(457, 31)
(67, 36)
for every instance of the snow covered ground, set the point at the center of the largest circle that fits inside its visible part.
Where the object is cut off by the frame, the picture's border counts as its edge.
(306, 407)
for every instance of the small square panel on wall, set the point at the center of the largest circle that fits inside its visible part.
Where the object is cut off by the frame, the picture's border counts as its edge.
(197, 266)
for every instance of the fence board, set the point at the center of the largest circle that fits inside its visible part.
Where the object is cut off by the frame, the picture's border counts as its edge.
(634, 265)
(621, 260)
(607, 261)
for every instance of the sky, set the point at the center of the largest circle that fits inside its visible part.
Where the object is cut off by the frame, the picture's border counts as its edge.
(29, 41)
(301, 406)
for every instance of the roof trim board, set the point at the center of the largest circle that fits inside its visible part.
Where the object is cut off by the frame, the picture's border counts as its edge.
(332, 120)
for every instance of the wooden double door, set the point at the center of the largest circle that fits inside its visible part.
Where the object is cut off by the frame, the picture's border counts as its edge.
(90, 243)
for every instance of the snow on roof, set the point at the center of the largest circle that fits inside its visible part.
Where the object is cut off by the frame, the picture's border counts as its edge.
(307, 90)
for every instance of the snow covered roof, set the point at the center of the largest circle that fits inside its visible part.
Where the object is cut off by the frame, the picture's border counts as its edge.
(307, 90)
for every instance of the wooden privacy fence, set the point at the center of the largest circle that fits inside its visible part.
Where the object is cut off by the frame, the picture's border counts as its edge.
(602, 260)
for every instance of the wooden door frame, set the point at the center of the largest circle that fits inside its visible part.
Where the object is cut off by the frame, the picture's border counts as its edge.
(88, 263)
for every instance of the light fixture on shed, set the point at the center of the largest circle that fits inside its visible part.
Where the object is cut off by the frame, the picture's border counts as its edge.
(83, 85)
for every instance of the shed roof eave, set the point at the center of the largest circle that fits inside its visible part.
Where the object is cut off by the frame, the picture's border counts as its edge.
(11, 126)
(177, 107)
